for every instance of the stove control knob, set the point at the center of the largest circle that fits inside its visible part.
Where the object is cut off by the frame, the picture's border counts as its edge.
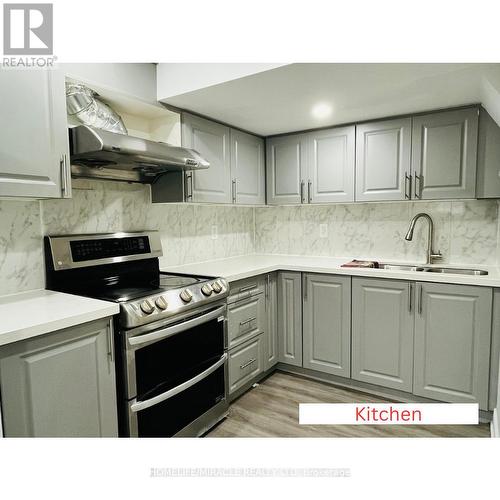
(207, 289)
(161, 303)
(186, 295)
(217, 286)
(147, 307)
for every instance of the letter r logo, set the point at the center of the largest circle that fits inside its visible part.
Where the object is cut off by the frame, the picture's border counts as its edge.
(27, 29)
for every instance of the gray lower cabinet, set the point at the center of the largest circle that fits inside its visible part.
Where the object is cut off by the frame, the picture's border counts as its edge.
(245, 363)
(452, 342)
(245, 319)
(247, 169)
(271, 333)
(212, 141)
(34, 148)
(382, 332)
(444, 151)
(286, 166)
(61, 384)
(290, 318)
(327, 323)
(383, 152)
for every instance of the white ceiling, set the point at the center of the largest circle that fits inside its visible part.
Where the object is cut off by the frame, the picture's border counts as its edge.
(282, 99)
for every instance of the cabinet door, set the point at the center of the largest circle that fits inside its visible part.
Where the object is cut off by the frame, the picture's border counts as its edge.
(383, 160)
(211, 140)
(327, 324)
(290, 318)
(247, 167)
(34, 151)
(245, 363)
(444, 150)
(271, 333)
(331, 165)
(286, 169)
(60, 385)
(452, 343)
(382, 332)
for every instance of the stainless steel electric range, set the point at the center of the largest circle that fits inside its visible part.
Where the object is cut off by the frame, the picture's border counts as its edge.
(170, 338)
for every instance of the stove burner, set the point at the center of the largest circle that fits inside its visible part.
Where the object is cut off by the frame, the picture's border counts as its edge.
(169, 282)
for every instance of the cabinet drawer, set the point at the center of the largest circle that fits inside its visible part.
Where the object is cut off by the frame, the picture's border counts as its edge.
(247, 287)
(245, 319)
(245, 363)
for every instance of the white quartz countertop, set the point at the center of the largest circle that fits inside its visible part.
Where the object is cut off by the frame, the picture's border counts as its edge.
(236, 268)
(28, 314)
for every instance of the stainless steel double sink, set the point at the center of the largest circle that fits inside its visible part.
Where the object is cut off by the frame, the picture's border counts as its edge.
(426, 269)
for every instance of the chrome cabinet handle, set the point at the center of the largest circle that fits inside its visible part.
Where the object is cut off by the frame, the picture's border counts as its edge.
(267, 291)
(302, 186)
(249, 320)
(418, 190)
(111, 342)
(180, 327)
(407, 186)
(304, 285)
(309, 191)
(419, 298)
(234, 190)
(63, 165)
(410, 296)
(248, 363)
(248, 287)
(189, 185)
(142, 405)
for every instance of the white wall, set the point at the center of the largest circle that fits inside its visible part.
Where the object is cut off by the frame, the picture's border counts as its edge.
(179, 78)
(138, 80)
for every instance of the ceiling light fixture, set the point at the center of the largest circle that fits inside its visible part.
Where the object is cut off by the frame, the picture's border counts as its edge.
(321, 110)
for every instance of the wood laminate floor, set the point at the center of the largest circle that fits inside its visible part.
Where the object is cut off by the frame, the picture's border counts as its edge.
(272, 409)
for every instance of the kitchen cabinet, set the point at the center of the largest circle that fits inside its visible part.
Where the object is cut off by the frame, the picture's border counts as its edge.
(271, 333)
(286, 159)
(61, 384)
(245, 318)
(331, 165)
(383, 152)
(444, 151)
(247, 169)
(34, 148)
(488, 157)
(212, 141)
(290, 318)
(452, 342)
(327, 323)
(245, 363)
(382, 332)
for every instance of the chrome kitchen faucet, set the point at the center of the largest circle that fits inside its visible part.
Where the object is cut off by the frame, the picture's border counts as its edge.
(431, 255)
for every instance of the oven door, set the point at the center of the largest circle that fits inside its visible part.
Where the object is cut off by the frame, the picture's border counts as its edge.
(176, 374)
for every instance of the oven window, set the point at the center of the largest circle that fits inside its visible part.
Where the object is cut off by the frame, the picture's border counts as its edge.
(167, 363)
(170, 416)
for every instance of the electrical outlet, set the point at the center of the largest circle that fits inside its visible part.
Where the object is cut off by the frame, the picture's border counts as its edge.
(323, 230)
(214, 232)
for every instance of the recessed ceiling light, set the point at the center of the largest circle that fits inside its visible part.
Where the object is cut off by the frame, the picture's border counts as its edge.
(321, 110)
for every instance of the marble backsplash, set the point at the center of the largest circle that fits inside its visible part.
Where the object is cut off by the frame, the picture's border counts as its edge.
(466, 232)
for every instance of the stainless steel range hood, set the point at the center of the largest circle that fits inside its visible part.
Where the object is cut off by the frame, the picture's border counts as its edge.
(101, 154)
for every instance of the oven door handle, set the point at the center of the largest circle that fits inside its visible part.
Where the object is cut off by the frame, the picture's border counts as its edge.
(180, 327)
(142, 405)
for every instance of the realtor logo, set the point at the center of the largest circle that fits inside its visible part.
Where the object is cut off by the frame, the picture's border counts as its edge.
(27, 29)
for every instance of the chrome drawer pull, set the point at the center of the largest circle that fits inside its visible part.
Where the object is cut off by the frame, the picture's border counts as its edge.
(249, 287)
(249, 320)
(248, 363)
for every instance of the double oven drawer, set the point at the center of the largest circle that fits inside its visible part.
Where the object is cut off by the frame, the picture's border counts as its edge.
(175, 374)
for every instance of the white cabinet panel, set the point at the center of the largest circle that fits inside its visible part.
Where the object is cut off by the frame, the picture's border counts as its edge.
(34, 150)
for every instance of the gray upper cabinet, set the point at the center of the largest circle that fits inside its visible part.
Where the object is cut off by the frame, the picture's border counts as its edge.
(271, 333)
(382, 332)
(290, 318)
(488, 157)
(383, 152)
(247, 169)
(61, 384)
(444, 151)
(452, 343)
(34, 150)
(212, 141)
(286, 160)
(327, 323)
(331, 165)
